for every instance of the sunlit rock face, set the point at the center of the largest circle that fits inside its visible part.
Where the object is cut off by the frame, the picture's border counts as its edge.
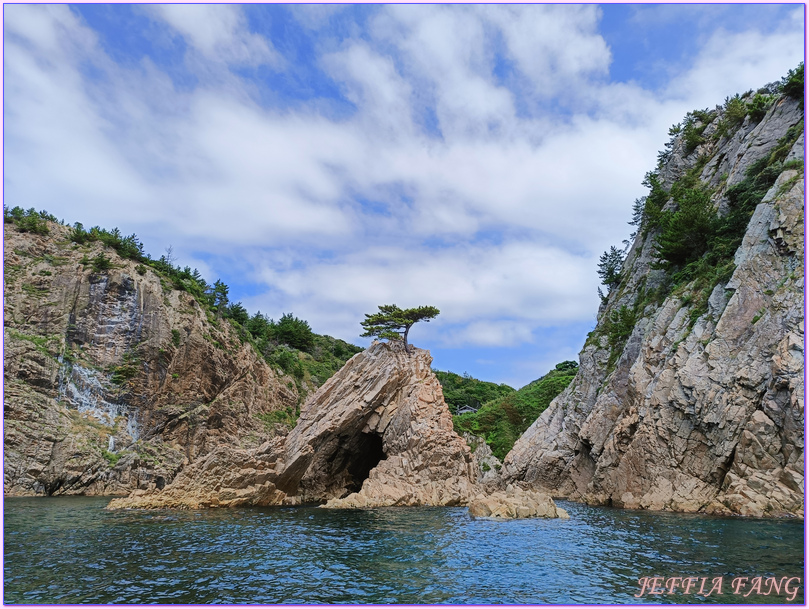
(381, 429)
(114, 379)
(378, 433)
(701, 409)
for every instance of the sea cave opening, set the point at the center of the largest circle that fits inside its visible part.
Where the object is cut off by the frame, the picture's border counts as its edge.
(368, 454)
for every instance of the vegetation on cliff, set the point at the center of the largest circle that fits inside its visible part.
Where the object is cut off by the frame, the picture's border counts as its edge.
(694, 235)
(288, 344)
(691, 393)
(503, 420)
(394, 323)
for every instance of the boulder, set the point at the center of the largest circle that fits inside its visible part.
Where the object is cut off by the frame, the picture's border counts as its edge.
(515, 502)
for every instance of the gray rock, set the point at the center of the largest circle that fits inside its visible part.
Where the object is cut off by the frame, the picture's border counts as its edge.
(696, 415)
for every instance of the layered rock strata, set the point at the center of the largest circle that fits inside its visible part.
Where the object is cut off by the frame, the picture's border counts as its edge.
(515, 502)
(699, 410)
(113, 380)
(378, 433)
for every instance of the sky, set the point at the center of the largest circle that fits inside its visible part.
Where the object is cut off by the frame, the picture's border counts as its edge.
(322, 160)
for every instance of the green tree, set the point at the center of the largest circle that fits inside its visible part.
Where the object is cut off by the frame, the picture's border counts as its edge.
(792, 83)
(238, 313)
(294, 332)
(609, 266)
(218, 295)
(391, 322)
(686, 232)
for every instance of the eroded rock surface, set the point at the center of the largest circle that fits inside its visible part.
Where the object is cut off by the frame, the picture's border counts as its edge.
(488, 465)
(377, 433)
(700, 410)
(114, 380)
(515, 502)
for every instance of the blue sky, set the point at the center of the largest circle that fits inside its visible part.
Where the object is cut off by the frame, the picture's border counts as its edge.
(326, 159)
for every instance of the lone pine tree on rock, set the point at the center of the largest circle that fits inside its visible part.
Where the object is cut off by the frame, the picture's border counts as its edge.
(391, 322)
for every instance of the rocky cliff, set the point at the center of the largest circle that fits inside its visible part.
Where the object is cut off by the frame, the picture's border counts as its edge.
(377, 433)
(113, 379)
(690, 391)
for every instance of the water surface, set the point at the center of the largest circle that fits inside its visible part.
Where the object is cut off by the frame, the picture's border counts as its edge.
(70, 550)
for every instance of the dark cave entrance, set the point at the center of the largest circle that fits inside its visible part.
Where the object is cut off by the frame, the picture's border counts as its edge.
(368, 454)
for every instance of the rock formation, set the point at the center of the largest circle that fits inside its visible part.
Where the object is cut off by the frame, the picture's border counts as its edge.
(700, 409)
(113, 379)
(377, 433)
(515, 502)
(489, 465)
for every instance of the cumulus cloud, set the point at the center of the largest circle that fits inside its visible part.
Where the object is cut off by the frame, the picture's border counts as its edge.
(218, 31)
(481, 161)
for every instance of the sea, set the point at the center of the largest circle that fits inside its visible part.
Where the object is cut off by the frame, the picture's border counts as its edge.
(70, 550)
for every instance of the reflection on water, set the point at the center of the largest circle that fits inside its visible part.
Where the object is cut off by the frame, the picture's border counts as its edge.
(69, 550)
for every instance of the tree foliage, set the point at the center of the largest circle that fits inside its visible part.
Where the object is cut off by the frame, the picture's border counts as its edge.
(792, 84)
(31, 221)
(464, 390)
(609, 266)
(391, 322)
(503, 420)
(294, 332)
(685, 233)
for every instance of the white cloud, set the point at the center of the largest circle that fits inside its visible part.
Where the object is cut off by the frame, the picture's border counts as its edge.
(217, 31)
(496, 211)
(731, 63)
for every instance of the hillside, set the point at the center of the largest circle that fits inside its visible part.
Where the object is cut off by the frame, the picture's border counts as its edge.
(464, 390)
(119, 368)
(690, 390)
(502, 420)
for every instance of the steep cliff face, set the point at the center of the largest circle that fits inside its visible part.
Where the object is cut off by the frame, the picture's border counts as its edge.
(114, 380)
(377, 433)
(690, 397)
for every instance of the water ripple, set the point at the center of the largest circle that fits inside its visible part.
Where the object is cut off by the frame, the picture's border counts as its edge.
(69, 550)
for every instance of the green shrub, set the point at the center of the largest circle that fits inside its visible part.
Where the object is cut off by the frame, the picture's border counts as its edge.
(175, 337)
(792, 84)
(735, 112)
(757, 108)
(31, 221)
(653, 203)
(112, 458)
(287, 417)
(785, 144)
(294, 332)
(620, 324)
(694, 126)
(685, 233)
(101, 263)
(127, 370)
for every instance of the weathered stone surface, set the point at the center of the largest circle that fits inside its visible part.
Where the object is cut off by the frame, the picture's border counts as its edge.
(706, 416)
(114, 380)
(488, 465)
(389, 407)
(224, 477)
(378, 433)
(515, 502)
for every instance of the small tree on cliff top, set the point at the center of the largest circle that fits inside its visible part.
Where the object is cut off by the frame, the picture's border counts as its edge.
(393, 323)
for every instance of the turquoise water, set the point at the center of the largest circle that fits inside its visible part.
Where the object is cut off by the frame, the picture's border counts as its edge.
(70, 550)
